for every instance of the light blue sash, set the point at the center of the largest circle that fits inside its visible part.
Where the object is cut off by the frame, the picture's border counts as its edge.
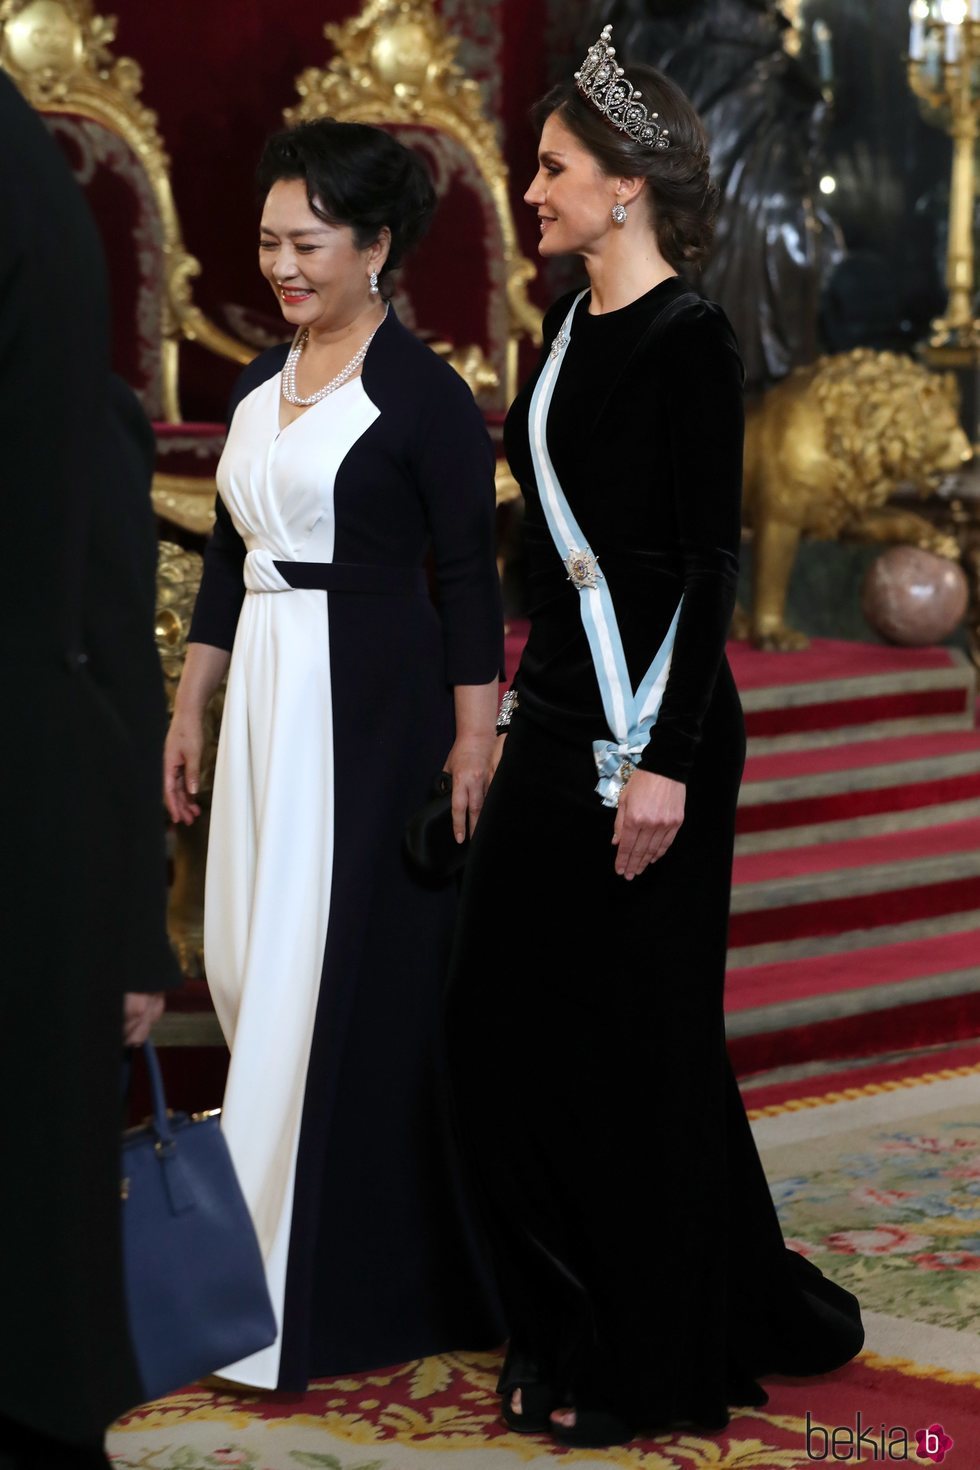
(630, 715)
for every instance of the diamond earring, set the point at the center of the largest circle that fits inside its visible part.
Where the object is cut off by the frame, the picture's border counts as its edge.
(374, 283)
(620, 213)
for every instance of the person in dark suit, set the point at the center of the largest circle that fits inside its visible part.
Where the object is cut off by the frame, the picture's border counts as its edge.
(82, 877)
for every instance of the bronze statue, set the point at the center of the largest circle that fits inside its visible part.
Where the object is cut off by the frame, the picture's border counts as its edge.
(824, 452)
(763, 111)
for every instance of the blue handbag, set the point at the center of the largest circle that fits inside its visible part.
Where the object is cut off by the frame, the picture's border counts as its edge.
(196, 1292)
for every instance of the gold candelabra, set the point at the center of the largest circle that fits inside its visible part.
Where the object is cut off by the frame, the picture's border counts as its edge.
(944, 73)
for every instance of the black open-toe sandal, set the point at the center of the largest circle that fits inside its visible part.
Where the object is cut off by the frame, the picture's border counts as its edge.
(593, 1429)
(537, 1402)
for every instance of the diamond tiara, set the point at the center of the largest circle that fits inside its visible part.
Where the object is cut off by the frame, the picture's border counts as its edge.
(604, 84)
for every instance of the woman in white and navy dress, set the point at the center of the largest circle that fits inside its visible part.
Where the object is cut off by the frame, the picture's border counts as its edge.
(352, 460)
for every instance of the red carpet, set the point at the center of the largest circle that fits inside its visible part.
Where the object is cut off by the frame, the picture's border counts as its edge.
(884, 1076)
(855, 922)
(419, 1415)
(829, 974)
(829, 659)
(828, 857)
(780, 765)
(864, 1163)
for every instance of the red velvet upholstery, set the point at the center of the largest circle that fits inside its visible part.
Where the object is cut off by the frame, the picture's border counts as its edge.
(464, 232)
(122, 201)
(121, 197)
(189, 449)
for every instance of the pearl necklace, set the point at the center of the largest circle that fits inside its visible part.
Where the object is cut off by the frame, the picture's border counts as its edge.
(289, 371)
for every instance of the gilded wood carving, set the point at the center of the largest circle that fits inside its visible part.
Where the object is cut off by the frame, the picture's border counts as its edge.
(178, 578)
(394, 65)
(59, 54)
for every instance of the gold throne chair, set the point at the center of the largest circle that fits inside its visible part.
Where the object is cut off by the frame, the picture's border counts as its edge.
(465, 288)
(58, 52)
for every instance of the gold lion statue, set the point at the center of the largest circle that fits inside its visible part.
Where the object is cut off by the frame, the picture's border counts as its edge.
(824, 452)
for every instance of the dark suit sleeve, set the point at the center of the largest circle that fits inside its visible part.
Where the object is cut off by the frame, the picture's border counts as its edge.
(123, 666)
(455, 476)
(704, 406)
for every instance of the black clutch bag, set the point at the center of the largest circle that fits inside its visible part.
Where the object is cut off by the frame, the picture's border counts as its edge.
(429, 839)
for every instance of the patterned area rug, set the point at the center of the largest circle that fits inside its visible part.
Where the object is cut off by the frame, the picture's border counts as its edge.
(879, 1184)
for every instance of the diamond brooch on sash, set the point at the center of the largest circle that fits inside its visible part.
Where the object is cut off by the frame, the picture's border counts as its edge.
(559, 344)
(583, 569)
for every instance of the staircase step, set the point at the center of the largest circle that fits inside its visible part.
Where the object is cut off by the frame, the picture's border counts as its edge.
(792, 798)
(832, 1004)
(808, 946)
(832, 887)
(872, 824)
(858, 764)
(844, 735)
(827, 859)
(836, 976)
(834, 660)
(836, 691)
(933, 1022)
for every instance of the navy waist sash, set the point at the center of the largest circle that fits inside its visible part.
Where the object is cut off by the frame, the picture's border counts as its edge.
(339, 576)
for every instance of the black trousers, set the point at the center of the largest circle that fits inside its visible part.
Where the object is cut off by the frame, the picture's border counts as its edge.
(640, 1258)
(25, 1449)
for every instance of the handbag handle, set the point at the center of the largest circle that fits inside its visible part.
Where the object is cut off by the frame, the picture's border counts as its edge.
(161, 1119)
(176, 1183)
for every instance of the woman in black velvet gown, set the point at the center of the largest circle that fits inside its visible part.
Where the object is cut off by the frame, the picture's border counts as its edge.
(643, 1269)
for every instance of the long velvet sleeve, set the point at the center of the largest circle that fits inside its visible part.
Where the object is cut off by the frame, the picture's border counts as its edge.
(552, 320)
(455, 477)
(222, 590)
(704, 408)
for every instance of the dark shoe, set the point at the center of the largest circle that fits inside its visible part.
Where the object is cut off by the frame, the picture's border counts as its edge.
(537, 1402)
(594, 1429)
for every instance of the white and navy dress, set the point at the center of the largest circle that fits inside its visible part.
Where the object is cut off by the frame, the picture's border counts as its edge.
(325, 953)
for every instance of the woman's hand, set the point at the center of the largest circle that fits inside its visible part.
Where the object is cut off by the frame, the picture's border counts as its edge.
(471, 763)
(471, 760)
(140, 1015)
(182, 767)
(204, 668)
(649, 817)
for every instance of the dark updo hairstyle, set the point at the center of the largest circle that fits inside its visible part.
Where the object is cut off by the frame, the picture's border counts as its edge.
(682, 198)
(358, 176)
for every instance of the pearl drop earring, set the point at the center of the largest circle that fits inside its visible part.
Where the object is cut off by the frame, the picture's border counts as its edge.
(374, 283)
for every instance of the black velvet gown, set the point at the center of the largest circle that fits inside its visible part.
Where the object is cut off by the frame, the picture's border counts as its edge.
(639, 1252)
